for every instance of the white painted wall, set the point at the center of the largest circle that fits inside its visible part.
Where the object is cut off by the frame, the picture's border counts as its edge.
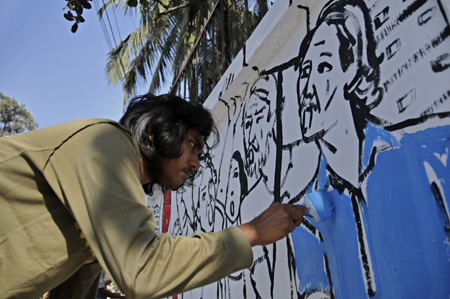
(383, 145)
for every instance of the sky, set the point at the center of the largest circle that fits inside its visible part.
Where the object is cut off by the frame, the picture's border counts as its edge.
(58, 75)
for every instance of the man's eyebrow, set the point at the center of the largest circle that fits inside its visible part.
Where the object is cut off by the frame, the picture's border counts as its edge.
(322, 42)
(199, 141)
(326, 54)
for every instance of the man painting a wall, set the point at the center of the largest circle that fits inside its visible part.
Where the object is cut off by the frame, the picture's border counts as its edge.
(72, 194)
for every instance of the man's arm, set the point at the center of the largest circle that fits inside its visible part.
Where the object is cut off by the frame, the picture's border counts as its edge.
(273, 224)
(96, 175)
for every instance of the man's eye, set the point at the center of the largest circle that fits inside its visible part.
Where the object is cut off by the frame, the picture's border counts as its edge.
(324, 67)
(306, 70)
(305, 74)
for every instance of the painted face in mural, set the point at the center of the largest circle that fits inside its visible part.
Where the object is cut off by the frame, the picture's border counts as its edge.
(233, 192)
(204, 193)
(321, 85)
(236, 189)
(258, 124)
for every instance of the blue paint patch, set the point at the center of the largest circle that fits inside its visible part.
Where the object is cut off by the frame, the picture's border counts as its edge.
(411, 252)
(406, 220)
(332, 256)
(309, 261)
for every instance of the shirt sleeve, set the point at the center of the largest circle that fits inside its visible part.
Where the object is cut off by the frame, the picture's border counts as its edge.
(96, 174)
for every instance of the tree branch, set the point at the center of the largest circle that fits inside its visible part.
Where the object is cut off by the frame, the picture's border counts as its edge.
(172, 9)
(162, 4)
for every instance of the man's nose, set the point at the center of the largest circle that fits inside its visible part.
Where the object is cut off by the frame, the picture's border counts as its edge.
(310, 97)
(194, 163)
(308, 91)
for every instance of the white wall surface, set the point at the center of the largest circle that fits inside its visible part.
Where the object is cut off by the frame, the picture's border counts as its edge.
(372, 125)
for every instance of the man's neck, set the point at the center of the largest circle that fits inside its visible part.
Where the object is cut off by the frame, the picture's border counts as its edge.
(342, 152)
(145, 177)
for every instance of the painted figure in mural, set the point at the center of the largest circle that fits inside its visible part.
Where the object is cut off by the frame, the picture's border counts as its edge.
(235, 191)
(196, 207)
(228, 211)
(257, 117)
(338, 88)
(200, 207)
(80, 186)
(206, 194)
(193, 206)
(258, 122)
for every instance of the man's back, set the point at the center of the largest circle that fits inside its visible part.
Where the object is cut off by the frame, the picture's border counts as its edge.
(39, 238)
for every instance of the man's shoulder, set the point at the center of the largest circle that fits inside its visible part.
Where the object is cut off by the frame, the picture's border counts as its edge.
(81, 124)
(97, 128)
(65, 130)
(55, 136)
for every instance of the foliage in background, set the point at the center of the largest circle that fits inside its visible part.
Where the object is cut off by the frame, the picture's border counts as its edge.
(75, 11)
(195, 40)
(14, 118)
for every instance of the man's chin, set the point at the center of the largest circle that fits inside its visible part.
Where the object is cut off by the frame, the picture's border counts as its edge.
(308, 135)
(175, 186)
(168, 185)
(172, 187)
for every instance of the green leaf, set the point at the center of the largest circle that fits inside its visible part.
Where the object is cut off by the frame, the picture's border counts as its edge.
(132, 3)
(85, 4)
(14, 118)
(74, 28)
(68, 16)
(144, 3)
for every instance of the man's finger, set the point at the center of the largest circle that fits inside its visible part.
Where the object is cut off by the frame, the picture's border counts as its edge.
(296, 211)
(297, 208)
(292, 225)
(300, 208)
(297, 222)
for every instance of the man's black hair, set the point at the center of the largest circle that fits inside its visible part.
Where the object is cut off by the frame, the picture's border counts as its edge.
(160, 123)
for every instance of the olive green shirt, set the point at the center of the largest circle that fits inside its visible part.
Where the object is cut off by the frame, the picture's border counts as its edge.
(71, 193)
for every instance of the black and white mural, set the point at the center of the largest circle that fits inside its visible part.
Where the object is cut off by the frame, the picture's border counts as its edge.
(351, 96)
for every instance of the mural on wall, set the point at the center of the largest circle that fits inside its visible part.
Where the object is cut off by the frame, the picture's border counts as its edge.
(359, 105)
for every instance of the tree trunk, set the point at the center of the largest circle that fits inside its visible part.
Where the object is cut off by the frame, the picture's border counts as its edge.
(263, 8)
(213, 52)
(234, 41)
(223, 37)
(246, 20)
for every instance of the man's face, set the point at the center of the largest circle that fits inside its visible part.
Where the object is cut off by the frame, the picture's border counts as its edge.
(256, 128)
(321, 84)
(174, 172)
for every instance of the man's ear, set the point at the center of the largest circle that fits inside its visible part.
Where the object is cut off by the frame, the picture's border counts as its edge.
(150, 137)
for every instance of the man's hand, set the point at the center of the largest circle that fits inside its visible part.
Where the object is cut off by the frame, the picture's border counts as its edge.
(273, 224)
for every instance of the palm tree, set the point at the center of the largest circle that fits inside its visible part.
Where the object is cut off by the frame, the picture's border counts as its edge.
(192, 38)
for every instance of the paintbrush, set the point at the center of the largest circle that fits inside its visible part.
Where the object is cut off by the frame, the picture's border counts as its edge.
(320, 204)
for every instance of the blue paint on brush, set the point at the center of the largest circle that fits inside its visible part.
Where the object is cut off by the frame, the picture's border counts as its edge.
(320, 204)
